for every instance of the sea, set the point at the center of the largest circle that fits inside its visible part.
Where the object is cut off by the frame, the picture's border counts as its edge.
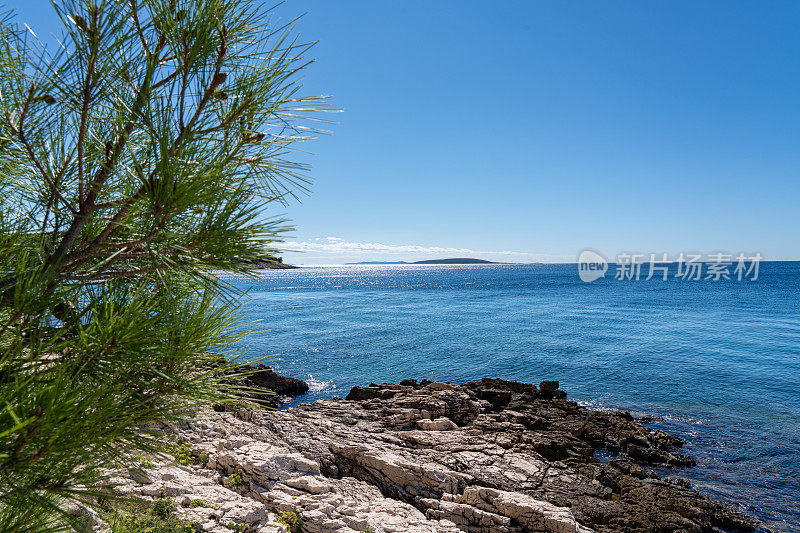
(716, 362)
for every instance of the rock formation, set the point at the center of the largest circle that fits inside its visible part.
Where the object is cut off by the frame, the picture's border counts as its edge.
(265, 387)
(488, 456)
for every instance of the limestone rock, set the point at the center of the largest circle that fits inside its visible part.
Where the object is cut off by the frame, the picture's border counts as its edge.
(488, 456)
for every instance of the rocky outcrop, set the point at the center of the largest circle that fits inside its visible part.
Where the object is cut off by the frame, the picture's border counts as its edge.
(489, 456)
(263, 377)
(261, 384)
(264, 262)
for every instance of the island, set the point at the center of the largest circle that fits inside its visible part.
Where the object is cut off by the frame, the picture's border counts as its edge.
(451, 261)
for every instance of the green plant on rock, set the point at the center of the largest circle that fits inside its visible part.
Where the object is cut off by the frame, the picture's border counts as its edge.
(198, 502)
(235, 480)
(156, 517)
(163, 508)
(182, 454)
(236, 527)
(292, 520)
(142, 460)
(135, 162)
(203, 459)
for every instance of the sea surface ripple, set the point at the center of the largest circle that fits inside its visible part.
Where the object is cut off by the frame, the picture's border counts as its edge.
(717, 363)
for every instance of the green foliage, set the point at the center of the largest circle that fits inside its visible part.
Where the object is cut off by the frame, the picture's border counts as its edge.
(142, 461)
(201, 503)
(134, 164)
(292, 520)
(236, 527)
(182, 453)
(163, 508)
(158, 517)
(235, 480)
(203, 459)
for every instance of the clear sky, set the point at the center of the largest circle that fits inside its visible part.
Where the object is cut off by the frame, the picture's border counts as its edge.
(543, 128)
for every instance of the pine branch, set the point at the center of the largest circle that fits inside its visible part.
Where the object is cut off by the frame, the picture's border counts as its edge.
(150, 172)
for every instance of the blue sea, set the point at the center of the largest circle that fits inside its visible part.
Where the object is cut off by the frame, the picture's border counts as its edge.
(715, 362)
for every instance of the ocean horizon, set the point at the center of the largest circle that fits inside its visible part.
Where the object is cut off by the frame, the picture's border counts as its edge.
(714, 362)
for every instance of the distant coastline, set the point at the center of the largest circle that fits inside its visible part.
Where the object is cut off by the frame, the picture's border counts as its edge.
(449, 261)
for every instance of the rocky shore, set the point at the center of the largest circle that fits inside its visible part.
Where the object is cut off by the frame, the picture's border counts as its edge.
(488, 456)
(266, 262)
(265, 387)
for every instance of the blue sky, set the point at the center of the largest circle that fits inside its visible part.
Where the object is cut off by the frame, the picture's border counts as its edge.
(539, 129)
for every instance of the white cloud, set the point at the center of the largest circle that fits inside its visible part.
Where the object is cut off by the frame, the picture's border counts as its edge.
(338, 248)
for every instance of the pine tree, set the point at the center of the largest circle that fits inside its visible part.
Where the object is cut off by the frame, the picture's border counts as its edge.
(137, 160)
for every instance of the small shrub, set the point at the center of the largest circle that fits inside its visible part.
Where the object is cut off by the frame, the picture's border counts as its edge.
(292, 520)
(182, 453)
(236, 528)
(156, 517)
(163, 508)
(144, 462)
(235, 479)
(203, 459)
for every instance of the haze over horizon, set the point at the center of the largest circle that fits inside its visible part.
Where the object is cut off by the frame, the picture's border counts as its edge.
(529, 131)
(335, 251)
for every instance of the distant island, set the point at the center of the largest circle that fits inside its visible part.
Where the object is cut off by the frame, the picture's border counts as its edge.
(451, 261)
(273, 262)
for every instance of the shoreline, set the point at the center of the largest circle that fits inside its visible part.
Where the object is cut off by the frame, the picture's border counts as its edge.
(427, 456)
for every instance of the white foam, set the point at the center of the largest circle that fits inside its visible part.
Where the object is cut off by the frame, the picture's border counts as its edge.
(316, 385)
